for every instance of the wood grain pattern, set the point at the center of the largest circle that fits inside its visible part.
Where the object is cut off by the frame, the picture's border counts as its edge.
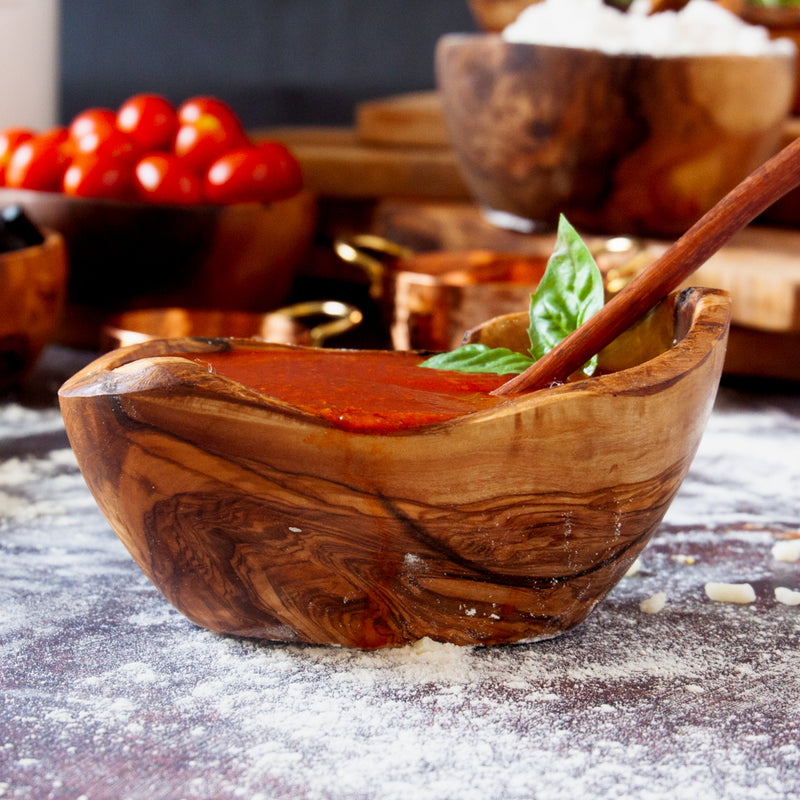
(33, 284)
(620, 144)
(256, 519)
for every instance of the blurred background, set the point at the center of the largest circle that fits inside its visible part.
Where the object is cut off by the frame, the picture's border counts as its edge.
(277, 62)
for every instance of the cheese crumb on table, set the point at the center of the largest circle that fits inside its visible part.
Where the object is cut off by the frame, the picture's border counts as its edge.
(653, 604)
(730, 592)
(789, 597)
(634, 568)
(786, 550)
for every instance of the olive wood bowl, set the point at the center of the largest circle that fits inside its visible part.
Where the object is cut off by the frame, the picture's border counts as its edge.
(32, 288)
(493, 15)
(510, 524)
(126, 255)
(618, 143)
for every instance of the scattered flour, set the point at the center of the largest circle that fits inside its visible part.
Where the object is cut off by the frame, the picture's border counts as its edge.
(107, 689)
(701, 28)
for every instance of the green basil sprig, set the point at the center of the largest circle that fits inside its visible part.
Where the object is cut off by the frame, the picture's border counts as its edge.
(570, 292)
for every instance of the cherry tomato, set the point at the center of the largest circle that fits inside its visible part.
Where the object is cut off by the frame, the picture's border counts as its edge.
(252, 174)
(195, 107)
(95, 175)
(10, 139)
(115, 144)
(99, 122)
(150, 120)
(286, 165)
(201, 142)
(164, 178)
(39, 163)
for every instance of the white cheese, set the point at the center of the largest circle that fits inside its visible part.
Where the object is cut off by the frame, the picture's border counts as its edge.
(653, 604)
(730, 592)
(789, 597)
(786, 550)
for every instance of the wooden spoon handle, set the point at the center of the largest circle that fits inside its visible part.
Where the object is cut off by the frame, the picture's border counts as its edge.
(738, 208)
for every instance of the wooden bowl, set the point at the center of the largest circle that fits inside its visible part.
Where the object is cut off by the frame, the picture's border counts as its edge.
(782, 21)
(32, 288)
(126, 254)
(256, 518)
(618, 143)
(494, 15)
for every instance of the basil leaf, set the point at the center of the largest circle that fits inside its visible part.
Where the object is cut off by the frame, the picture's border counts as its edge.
(570, 292)
(480, 358)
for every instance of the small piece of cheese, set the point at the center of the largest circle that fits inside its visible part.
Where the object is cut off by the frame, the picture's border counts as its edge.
(634, 568)
(789, 597)
(786, 550)
(653, 604)
(730, 592)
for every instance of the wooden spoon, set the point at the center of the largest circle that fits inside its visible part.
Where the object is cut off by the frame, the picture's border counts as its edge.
(738, 208)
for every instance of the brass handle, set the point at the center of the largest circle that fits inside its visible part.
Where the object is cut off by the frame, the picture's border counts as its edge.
(365, 250)
(627, 256)
(343, 317)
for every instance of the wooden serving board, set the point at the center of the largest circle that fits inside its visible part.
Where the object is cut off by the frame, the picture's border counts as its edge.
(337, 164)
(414, 119)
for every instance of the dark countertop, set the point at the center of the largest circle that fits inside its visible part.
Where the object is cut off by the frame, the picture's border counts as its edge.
(107, 692)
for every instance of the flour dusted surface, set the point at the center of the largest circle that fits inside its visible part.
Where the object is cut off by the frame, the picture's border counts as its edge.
(107, 692)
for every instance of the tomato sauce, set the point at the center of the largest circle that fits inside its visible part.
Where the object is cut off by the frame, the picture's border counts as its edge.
(364, 391)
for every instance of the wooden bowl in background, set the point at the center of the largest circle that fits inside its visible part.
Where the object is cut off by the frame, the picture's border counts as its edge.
(618, 143)
(257, 518)
(127, 254)
(32, 289)
(493, 15)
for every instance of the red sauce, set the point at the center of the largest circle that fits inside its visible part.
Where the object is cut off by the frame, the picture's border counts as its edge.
(366, 391)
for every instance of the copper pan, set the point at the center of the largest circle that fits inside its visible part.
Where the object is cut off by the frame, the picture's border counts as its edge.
(429, 299)
(310, 323)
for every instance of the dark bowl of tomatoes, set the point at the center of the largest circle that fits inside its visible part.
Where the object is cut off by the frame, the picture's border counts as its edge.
(161, 205)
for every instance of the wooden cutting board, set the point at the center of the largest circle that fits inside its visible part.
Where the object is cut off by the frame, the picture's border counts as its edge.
(413, 119)
(339, 164)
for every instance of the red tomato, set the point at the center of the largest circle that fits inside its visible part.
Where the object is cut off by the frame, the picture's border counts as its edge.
(252, 174)
(94, 175)
(164, 178)
(200, 143)
(195, 107)
(115, 145)
(10, 139)
(99, 122)
(39, 163)
(286, 165)
(150, 120)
